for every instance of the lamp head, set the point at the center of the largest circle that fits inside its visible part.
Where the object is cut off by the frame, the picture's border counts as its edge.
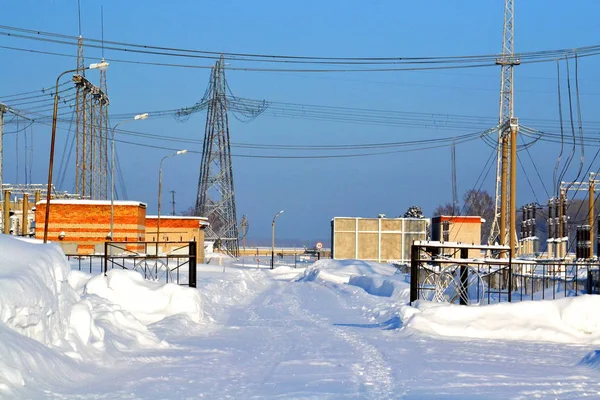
(100, 65)
(141, 116)
(181, 152)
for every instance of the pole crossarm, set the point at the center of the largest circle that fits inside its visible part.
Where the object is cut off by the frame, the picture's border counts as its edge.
(88, 87)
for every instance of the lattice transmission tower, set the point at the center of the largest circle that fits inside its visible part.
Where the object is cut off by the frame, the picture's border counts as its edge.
(508, 126)
(216, 195)
(91, 132)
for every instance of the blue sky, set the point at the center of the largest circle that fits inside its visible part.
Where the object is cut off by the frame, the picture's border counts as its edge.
(310, 191)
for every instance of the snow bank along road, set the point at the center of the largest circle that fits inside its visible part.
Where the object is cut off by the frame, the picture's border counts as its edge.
(334, 330)
(280, 335)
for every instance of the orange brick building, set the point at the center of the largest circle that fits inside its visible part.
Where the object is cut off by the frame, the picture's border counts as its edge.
(177, 229)
(82, 226)
(460, 229)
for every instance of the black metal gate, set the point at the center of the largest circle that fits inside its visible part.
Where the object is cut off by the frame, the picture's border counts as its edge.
(446, 272)
(177, 265)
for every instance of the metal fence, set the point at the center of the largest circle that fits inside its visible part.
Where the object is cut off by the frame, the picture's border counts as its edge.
(178, 265)
(298, 260)
(464, 280)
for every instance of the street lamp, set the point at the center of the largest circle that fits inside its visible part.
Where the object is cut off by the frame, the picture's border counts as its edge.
(112, 172)
(273, 238)
(102, 64)
(160, 193)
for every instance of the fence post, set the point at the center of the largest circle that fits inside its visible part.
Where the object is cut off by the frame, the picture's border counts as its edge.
(464, 278)
(105, 257)
(414, 273)
(510, 276)
(192, 265)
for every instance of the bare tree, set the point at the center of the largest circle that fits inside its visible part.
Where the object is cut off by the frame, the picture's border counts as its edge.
(445, 209)
(479, 202)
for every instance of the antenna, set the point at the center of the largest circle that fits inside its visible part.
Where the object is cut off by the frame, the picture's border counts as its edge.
(79, 15)
(102, 28)
(455, 208)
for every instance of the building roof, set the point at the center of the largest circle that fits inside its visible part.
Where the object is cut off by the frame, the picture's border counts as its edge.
(469, 219)
(177, 217)
(94, 202)
(386, 218)
(203, 220)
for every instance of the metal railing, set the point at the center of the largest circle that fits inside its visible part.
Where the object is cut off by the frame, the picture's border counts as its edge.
(167, 267)
(462, 280)
(298, 260)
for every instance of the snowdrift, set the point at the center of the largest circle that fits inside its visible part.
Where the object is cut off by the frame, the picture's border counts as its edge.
(51, 317)
(572, 320)
(375, 278)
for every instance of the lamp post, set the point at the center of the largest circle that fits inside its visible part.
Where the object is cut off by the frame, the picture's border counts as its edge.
(102, 64)
(273, 238)
(160, 193)
(112, 171)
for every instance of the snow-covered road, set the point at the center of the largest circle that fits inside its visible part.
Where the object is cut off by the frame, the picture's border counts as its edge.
(274, 335)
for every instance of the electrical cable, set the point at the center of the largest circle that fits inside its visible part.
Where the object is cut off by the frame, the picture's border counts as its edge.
(536, 169)
(212, 55)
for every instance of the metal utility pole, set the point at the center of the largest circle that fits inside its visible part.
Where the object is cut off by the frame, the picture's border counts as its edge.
(216, 195)
(455, 208)
(80, 118)
(91, 130)
(244, 224)
(273, 238)
(92, 139)
(25, 219)
(507, 144)
(102, 137)
(173, 201)
(6, 213)
(591, 216)
(2, 111)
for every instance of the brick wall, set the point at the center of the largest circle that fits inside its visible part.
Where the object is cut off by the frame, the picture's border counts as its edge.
(176, 229)
(86, 224)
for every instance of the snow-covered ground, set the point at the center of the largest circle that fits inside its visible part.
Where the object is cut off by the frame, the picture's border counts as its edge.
(333, 329)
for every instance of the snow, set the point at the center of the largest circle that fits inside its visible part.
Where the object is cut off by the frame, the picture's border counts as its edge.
(94, 202)
(148, 301)
(568, 320)
(178, 217)
(334, 329)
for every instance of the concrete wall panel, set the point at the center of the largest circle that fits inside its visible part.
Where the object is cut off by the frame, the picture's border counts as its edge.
(344, 245)
(368, 244)
(371, 224)
(391, 246)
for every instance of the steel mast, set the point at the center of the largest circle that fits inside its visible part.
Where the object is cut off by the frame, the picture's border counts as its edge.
(507, 129)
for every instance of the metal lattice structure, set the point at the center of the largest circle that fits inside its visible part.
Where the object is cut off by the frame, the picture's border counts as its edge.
(80, 122)
(102, 137)
(245, 226)
(216, 196)
(91, 132)
(507, 61)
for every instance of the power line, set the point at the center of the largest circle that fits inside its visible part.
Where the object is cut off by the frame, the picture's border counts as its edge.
(551, 54)
(450, 62)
